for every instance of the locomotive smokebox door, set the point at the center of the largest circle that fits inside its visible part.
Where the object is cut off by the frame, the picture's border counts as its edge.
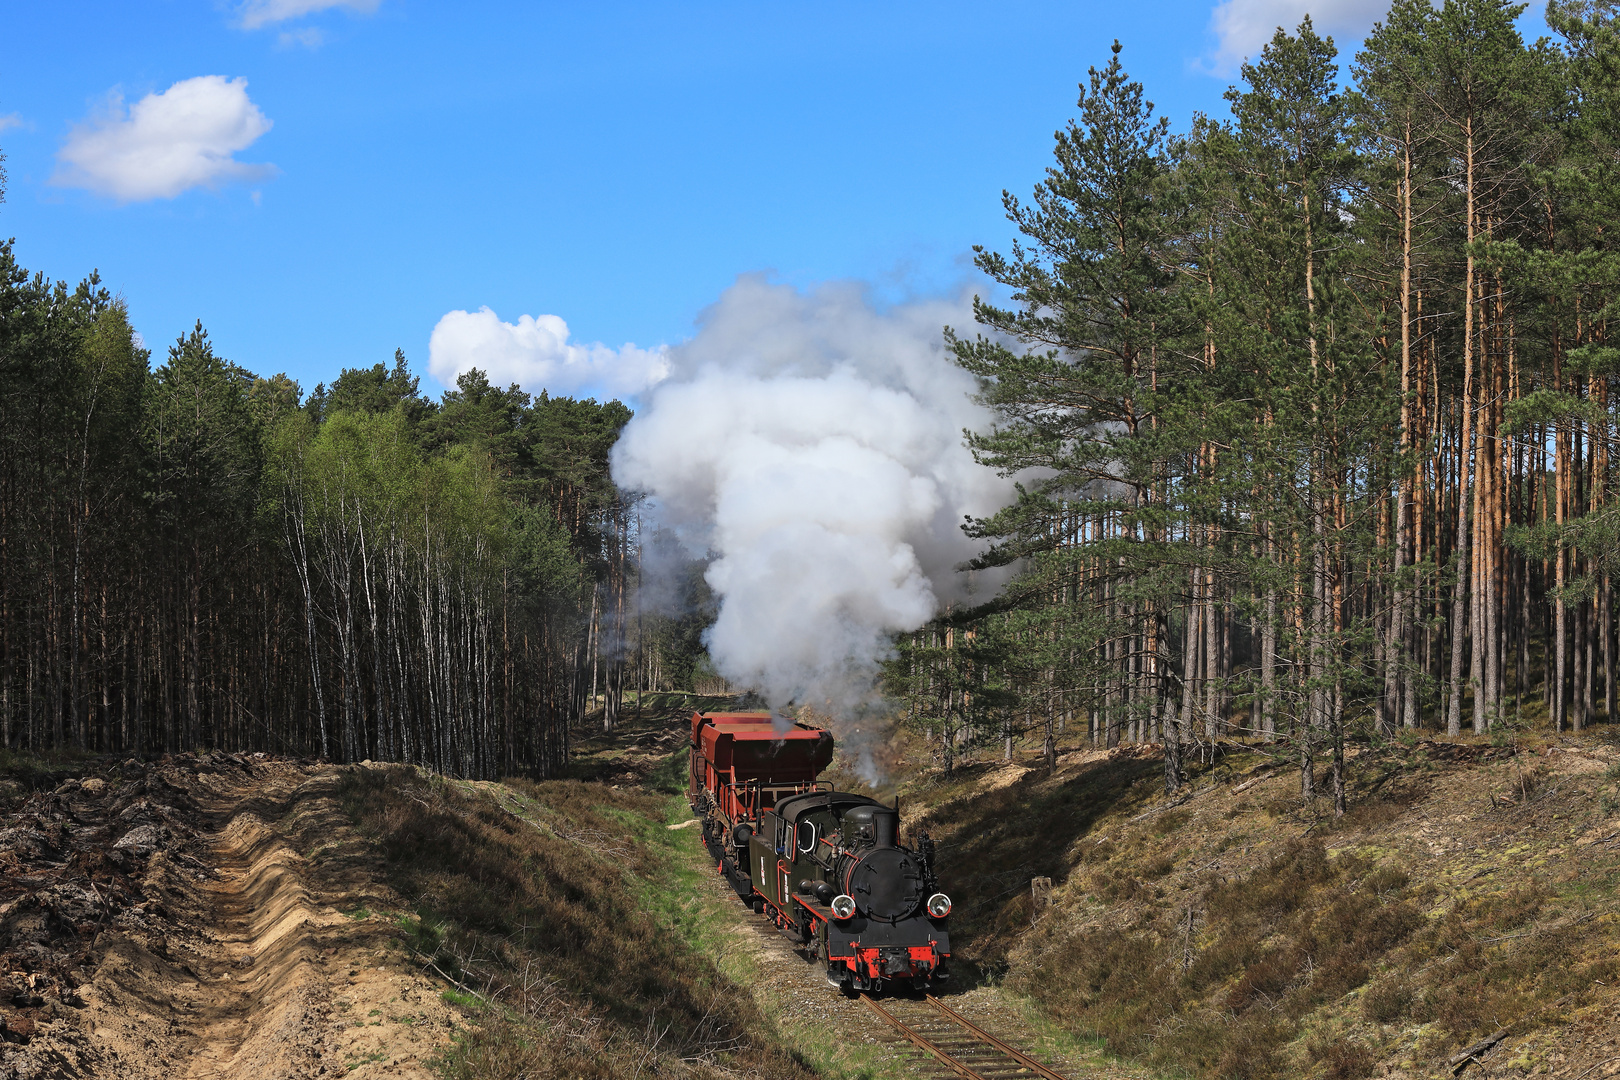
(887, 883)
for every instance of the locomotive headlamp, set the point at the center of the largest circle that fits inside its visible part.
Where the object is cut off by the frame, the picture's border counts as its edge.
(939, 905)
(843, 906)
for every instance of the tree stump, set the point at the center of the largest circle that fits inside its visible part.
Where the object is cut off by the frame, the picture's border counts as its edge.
(1040, 894)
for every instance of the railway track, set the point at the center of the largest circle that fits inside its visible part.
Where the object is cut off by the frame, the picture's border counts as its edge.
(954, 1045)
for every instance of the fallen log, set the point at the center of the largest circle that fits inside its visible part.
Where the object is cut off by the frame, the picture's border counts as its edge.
(1461, 1059)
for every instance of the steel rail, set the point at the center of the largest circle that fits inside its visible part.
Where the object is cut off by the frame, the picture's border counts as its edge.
(922, 1042)
(1017, 1055)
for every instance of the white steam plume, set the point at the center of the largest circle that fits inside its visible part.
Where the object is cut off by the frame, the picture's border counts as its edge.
(813, 444)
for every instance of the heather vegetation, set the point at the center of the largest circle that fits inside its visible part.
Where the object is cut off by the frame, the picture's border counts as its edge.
(1239, 931)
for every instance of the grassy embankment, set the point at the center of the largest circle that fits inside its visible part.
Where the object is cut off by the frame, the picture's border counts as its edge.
(579, 927)
(1243, 932)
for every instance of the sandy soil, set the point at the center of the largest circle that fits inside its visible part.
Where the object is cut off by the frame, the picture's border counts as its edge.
(206, 916)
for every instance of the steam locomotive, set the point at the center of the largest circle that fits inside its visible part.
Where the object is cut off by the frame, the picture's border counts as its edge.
(826, 867)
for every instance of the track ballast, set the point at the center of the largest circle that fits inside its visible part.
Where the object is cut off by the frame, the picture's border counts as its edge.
(953, 1044)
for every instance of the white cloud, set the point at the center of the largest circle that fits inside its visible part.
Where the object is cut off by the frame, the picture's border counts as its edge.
(9, 121)
(1241, 27)
(259, 13)
(166, 143)
(535, 353)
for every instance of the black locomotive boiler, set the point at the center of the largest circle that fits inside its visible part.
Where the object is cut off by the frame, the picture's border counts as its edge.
(827, 867)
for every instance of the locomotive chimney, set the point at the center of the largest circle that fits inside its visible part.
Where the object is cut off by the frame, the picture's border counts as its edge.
(885, 824)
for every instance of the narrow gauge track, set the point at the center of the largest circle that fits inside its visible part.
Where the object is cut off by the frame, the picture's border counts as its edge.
(957, 1046)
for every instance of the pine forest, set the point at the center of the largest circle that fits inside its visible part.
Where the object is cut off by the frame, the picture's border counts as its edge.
(1312, 405)
(195, 556)
(1311, 408)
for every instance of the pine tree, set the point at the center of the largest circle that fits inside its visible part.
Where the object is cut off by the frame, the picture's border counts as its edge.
(1079, 403)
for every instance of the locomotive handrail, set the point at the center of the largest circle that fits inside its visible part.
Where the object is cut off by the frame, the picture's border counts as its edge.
(746, 798)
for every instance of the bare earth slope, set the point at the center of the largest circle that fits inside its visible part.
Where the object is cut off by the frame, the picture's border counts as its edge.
(164, 921)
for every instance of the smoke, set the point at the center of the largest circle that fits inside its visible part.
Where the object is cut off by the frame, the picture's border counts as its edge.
(811, 444)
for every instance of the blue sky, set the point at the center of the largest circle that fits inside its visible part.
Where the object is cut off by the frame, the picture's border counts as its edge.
(375, 166)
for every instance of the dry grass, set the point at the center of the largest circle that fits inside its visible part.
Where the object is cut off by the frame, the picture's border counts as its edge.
(1248, 934)
(527, 898)
(1298, 931)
